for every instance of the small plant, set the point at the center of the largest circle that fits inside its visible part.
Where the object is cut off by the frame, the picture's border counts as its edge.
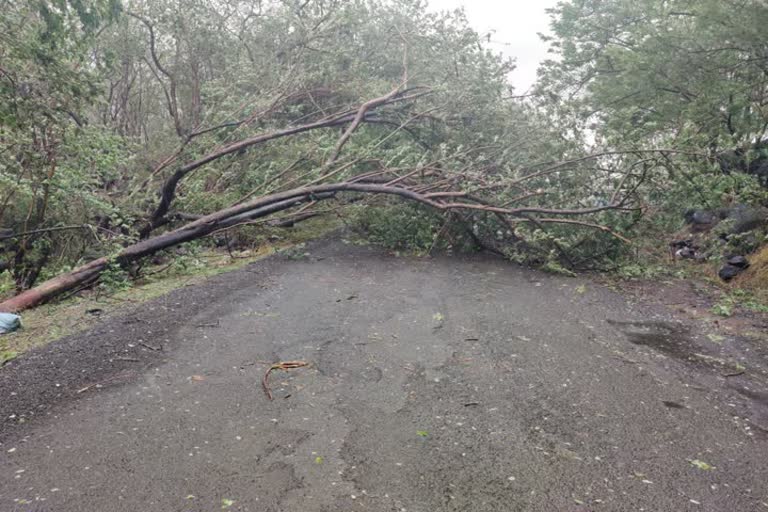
(748, 301)
(114, 279)
(723, 309)
(295, 253)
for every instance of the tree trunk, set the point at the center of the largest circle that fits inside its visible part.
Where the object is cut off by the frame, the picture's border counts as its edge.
(233, 216)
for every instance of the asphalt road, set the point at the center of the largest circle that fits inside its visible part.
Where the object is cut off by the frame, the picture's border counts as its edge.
(445, 384)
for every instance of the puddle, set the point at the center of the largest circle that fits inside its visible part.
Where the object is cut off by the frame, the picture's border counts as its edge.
(666, 337)
(675, 340)
(759, 406)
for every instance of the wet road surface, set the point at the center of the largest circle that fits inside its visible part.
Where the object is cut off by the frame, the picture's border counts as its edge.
(445, 384)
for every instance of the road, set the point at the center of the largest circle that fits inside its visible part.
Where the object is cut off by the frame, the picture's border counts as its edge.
(443, 384)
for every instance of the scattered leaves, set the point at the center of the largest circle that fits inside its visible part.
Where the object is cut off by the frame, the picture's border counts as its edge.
(226, 503)
(422, 433)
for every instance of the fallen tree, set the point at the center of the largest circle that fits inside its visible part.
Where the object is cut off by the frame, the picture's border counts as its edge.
(351, 117)
(462, 182)
(440, 192)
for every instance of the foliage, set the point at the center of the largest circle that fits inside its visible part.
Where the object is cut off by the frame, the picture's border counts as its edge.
(412, 228)
(682, 71)
(399, 227)
(686, 76)
(55, 168)
(723, 308)
(102, 103)
(114, 279)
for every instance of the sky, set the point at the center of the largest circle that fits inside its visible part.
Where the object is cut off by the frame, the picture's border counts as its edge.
(516, 24)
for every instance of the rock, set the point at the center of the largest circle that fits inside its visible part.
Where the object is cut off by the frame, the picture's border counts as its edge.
(160, 259)
(684, 249)
(681, 244)
(686, 253)
(746, 218)
(728, 272)
(738, 262)
(702, 220)
(702, 217)
(739, 219)
(745, 161)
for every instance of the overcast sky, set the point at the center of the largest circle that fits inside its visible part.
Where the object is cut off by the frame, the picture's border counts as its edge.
(516, 24)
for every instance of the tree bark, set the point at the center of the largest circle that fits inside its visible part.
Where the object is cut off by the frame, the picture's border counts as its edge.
(266, 205)
(227, 218)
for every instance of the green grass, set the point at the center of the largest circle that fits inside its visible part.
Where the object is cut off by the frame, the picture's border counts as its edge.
(739, 298)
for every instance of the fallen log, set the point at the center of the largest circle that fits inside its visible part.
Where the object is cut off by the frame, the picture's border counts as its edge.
(273, 203)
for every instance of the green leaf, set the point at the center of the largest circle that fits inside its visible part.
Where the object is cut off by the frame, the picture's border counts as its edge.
(702, 465)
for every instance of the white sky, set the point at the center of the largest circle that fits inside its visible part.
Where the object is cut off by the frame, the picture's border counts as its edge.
(516, 24)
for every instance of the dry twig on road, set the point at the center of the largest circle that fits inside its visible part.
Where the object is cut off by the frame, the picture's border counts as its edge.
(285, 365)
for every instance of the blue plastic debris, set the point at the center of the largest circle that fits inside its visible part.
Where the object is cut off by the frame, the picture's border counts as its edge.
(9, 322)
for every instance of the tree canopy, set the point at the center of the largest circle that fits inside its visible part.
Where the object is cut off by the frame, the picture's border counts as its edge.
(120, 121)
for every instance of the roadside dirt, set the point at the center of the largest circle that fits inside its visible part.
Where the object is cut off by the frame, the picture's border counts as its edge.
(444, 384)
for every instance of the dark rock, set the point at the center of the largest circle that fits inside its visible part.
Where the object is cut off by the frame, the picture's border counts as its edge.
(739, 262)
(684, 249)
(741, 218)
(728, 272)
(702, 217)
(160, 259)
(747, 162)
(681, 244)
(759, 169)
(686, 253)
(746, 218)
